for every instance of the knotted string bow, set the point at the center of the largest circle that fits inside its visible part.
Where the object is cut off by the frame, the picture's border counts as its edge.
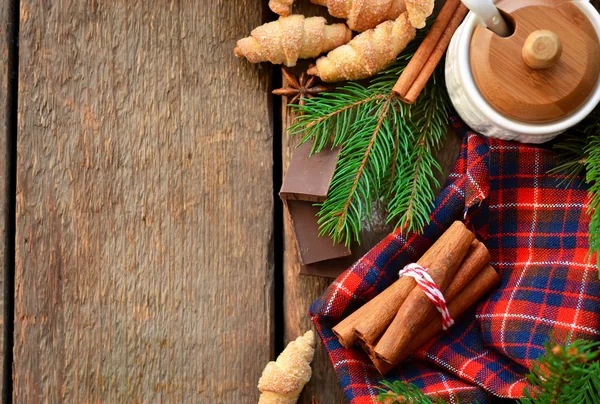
(431, 290)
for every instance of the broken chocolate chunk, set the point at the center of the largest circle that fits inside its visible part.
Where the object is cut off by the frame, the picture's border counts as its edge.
(328, 269)
(312, 248)
(308, 177)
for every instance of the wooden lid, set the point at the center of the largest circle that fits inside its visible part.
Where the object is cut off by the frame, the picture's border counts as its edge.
(546, 69)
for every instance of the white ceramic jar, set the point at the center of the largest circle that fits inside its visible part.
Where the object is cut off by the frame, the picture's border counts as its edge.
(480, 115)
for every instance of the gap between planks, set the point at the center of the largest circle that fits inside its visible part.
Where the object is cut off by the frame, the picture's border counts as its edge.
(11, 115)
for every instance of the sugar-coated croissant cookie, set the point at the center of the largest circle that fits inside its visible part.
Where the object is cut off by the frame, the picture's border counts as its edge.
(282, 381)
(367, 54)
(418, 11)
(363, 14)
(281, 7)
(291, 38)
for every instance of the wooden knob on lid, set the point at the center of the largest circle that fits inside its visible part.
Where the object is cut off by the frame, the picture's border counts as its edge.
(542, 49)
(546, 69)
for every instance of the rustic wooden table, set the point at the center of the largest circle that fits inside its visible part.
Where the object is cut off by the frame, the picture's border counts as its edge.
(146, 255)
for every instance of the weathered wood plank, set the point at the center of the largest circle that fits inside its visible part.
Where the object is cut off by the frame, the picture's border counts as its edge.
(144, 208)
(301, 291)
(5, 44)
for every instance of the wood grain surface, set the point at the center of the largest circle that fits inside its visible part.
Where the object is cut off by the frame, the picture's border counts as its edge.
(4, 116)
(302, 291)
(144, 204)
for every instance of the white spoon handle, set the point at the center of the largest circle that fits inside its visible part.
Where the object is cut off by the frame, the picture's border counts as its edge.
(489, 16)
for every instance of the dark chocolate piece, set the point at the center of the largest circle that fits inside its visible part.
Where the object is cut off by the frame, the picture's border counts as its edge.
(327, 269)
(312, 248)
(308, 177)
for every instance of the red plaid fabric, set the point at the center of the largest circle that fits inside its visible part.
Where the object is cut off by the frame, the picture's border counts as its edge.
(537, 232)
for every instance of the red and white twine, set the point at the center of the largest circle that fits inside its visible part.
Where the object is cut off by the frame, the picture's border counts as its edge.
(431, 290)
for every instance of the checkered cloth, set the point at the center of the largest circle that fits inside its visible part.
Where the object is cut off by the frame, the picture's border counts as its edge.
(537, 232)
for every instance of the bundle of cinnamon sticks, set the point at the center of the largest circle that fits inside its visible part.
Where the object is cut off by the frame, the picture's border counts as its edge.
(430, 52)
(399, 320)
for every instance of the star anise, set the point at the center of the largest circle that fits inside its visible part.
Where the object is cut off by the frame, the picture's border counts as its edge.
(298, 90)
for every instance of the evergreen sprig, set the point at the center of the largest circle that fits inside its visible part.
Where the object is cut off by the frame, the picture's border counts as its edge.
(400, 392)
(413, 189)
(387, 149)
(565, 374)
(580, 149)
(593, 179)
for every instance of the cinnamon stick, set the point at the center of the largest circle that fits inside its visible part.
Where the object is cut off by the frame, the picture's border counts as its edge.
(344, 331)
(368, 348)
(414, 67)
(373, 324)
(375, 320)
(381, 366)
(435, 57)
(378, 313)
(475, 290)
(477, 258)
(466, 298)
(411, 315)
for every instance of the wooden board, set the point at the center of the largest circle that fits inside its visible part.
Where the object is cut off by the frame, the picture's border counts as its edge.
(301, 291)
(144, 207)
(4, 116)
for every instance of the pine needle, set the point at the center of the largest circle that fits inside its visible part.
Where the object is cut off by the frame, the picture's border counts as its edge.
(581, 152)
(592, 164)
(413, 187)
(388, 149)
(399, 392)
(565, 374)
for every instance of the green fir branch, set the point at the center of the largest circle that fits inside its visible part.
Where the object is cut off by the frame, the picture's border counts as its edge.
(565, 374)
(400, 392)
(592, 177)
(572, 153)
(580, 150)
(413, 187)
(359, 173)
(388, 149)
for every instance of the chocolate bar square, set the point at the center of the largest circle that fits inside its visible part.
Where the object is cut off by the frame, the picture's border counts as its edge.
(308, 177)
(311, 247)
